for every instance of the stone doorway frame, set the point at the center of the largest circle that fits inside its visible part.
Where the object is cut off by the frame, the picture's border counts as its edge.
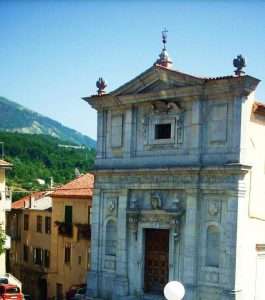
(173, 255)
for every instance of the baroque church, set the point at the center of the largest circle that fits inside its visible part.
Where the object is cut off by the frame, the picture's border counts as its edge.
(179, 188)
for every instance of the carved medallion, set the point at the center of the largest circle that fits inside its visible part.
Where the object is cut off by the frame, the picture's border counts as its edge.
(213, 209)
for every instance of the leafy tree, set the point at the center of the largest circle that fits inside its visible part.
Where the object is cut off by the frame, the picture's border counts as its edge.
(2, 239)
(40, 157)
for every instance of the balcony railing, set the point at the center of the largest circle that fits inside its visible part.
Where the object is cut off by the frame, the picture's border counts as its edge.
(64, 228)
(84, 231)
(77, 230)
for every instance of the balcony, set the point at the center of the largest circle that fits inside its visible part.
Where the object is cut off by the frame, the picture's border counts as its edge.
(64, 228)
(84, 231)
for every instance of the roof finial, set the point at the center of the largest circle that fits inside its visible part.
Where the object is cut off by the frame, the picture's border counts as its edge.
(240, 63)
(164, 59)
(101, 85)
(164, 37)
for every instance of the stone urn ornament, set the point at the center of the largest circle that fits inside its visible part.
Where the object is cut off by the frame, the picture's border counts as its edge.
(240, 63)
(101, 85)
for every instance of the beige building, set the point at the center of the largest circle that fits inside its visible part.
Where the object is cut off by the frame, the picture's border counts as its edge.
(29, 225)
(50, 234)
(5, 205)
(71, 235)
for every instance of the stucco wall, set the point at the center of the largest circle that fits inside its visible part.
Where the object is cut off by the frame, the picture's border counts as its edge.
(73, 272)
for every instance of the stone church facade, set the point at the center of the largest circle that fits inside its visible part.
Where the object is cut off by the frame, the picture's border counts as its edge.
(179, 187)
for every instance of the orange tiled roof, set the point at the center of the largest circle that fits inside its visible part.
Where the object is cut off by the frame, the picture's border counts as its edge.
(81, 187)
(21, 202)
(259, 108)
(5, 164)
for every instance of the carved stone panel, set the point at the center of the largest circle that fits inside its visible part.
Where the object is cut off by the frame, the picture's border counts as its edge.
(211, 277)
(111, 206)
(218, 123)
(116, 131)
(162, 117)
(110, 264)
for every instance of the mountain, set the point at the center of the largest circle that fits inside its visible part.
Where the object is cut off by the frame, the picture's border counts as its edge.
(37, 158)
(17, 118)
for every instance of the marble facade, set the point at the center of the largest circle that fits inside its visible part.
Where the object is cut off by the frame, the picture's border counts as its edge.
(173, 153)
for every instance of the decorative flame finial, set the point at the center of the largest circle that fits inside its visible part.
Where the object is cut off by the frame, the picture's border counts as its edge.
(164, 37)
(239, 63)
(101, 85)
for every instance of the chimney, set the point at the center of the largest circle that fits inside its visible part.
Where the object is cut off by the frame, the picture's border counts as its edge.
(51, 183)
(32, 201)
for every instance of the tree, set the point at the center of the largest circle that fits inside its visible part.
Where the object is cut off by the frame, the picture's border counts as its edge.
(2, 239)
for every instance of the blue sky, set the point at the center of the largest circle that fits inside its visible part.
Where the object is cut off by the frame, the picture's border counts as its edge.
(52, 52)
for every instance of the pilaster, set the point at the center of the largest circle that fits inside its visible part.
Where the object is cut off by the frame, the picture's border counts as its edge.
(121, 283)
(93, 274)
(190, 246)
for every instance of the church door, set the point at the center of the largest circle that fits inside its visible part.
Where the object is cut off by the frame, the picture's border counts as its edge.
(156, 260)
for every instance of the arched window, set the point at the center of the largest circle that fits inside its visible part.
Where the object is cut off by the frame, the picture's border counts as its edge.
(111, 238)
(212, 246)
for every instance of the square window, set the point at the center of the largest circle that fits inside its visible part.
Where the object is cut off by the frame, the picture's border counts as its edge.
(162, 131)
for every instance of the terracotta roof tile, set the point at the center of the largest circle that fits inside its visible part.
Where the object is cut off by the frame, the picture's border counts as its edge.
(5, 164)
(259, 108)
(19, 204)
(219, 78)
(79, 187)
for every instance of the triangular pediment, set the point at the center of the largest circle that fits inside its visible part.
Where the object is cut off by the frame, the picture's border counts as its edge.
(155, 79)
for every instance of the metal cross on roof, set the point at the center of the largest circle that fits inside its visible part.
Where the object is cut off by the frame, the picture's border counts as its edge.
(164, 37)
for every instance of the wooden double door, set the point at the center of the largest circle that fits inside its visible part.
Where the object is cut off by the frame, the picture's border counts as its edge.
(156, 260)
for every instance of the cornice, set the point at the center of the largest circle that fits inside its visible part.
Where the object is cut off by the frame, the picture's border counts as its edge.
(211, 89)
(213, 169)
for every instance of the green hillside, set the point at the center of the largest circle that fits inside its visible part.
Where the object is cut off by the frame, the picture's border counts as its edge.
(39, 157)
(17, 118)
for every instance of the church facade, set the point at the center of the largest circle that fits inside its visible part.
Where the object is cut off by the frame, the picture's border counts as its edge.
(178, 191)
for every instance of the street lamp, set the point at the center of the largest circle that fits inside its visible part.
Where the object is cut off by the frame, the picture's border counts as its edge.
(174, 290)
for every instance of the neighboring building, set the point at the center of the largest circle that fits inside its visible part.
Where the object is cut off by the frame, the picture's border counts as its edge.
(5, 205)
(71, 213)
(29, 225)
(50, 234)
(179, 186)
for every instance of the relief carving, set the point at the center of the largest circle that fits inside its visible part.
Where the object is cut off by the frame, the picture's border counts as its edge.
(213, 209)
(179, 129)
(162, 112)
(155, 201)
(133, 202)
(176, 202)
(111, 207)
(149, 179)
(133, 221)
(211, 277)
